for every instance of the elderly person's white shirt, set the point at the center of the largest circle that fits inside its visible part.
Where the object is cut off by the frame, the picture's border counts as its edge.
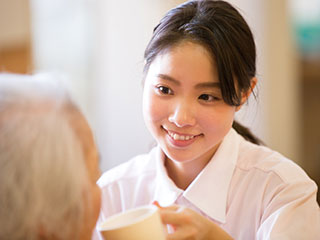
(250, 191)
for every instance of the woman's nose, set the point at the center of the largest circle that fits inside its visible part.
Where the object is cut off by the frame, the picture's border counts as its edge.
(182, 115)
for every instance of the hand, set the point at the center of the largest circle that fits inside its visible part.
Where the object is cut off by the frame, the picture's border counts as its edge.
(190, 225)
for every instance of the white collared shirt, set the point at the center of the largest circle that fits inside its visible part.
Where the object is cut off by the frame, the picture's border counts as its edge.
(250, 191)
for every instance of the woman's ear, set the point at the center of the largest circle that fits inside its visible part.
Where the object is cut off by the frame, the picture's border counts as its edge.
(245, 95)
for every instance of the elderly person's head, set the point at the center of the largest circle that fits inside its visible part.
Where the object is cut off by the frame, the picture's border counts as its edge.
(48, 162)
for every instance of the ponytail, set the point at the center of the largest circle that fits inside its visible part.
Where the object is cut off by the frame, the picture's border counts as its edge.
(246, 133)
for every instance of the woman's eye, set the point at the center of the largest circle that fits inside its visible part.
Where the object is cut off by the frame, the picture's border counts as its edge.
(208, 98)
(164, 90)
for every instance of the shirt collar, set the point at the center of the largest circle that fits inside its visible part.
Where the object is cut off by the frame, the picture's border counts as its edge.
(209, 190)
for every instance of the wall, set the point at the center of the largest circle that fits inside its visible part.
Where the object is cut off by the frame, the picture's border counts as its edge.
(276, 116)
(63, 37)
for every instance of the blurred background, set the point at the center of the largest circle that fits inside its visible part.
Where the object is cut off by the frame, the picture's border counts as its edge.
(98, 45)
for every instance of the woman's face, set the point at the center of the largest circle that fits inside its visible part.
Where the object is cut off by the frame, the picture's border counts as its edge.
(183, 106)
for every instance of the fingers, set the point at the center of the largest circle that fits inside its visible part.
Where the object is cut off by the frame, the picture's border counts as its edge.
(180, 234)
(170, 216)
(188, 224)
(173, 207)
(175, 216)
(156, 203)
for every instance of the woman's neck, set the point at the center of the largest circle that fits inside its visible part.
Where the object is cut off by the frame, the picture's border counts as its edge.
(183, 173)
(180, 173)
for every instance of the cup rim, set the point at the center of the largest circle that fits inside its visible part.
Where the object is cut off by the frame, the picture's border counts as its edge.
(152, 209)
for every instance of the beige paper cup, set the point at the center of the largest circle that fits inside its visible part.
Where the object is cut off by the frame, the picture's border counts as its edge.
(143, 223)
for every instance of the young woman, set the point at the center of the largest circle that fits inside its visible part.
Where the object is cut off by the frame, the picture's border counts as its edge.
(209, 176)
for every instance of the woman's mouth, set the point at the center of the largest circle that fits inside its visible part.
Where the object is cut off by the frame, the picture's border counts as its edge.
(180, 139)
(177, 136)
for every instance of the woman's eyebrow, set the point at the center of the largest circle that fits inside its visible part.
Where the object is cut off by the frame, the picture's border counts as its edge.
(168, 78)
(208, 85)
(198, 86)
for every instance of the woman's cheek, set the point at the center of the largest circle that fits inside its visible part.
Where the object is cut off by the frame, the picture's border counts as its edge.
(153, 108)
(220, 118)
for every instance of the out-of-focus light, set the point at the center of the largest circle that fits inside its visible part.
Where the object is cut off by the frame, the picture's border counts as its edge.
(306, 23)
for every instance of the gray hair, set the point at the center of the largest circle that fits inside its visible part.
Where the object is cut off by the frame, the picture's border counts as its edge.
(42, 166)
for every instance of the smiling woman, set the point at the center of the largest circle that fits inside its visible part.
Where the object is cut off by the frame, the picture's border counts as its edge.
(210, 182)
(190, 118)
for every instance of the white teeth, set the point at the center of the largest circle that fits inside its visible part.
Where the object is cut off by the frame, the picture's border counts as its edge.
(180, 137)
(176, 137)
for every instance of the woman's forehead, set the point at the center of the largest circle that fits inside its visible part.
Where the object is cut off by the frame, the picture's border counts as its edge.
(185, 60)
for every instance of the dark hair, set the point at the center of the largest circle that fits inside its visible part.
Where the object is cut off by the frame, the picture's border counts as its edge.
(220, 28)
